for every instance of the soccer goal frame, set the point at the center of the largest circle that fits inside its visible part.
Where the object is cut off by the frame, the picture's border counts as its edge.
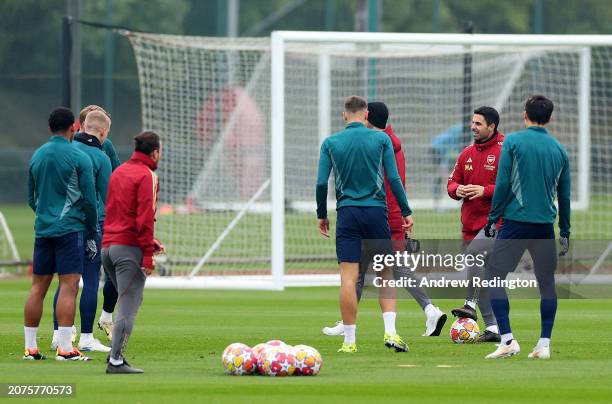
(222, 232)
(279, 41)
(7, 237)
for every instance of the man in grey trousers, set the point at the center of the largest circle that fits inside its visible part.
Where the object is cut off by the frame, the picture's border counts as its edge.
(128, 245)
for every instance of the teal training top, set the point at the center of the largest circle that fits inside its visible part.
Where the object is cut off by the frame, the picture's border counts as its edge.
(359, 157)
(533, 170)
(101, 172)
(109, 149)
(61, 189)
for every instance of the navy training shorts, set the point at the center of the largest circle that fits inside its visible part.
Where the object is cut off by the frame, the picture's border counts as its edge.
(64, 254)
(355, 224)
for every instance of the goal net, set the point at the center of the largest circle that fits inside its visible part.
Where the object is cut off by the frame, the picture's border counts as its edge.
(242, 120)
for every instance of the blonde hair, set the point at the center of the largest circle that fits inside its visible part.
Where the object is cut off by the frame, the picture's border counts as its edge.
(96, 121)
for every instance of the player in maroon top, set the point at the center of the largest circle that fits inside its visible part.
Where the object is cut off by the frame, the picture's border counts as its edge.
(473, 182)
(128, 245)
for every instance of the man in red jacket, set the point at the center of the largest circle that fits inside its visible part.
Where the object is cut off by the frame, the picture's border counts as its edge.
(378, 114)
(128, 244)
(473, 181)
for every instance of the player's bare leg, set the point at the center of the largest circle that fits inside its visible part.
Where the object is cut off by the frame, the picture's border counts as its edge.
(65, 311)
(32, 314)
(387, 299)
(349, 272)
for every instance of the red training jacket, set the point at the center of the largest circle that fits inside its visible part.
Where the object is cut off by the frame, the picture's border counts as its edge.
(131, 204)
(476, 165)
(394, 211)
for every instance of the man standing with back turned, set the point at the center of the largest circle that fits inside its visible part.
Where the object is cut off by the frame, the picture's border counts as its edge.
(378, 114)
(360, 157)
(128, 244)
(533, 168)
(61, 192)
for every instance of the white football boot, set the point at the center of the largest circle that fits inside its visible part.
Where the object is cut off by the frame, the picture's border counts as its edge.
(540, 352)
(434, 323)
(93, 345)
(505, 351)
(336, 330)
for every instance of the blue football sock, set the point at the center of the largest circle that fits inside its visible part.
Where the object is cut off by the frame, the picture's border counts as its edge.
(501, 309)
(548, 309)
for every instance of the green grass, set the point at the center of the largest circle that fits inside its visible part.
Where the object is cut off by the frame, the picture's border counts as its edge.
(179, 337)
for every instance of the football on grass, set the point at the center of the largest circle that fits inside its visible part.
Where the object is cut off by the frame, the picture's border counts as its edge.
(278, 361)
(308, 360)
(238, 359)
(464, 330)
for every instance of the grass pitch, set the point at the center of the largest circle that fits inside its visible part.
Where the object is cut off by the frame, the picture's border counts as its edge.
(179, 337)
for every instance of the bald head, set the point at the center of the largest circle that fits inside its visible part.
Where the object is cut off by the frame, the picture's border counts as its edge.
(97, 123)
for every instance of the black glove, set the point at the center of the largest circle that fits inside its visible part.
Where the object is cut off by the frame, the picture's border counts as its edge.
(489, 230)
(91, 249)
(412, 245)
(564, 242)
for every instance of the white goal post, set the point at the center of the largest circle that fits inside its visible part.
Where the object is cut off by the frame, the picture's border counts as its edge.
(242, 120)
(9, 255)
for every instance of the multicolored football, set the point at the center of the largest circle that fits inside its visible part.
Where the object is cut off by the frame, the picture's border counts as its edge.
(464, 330)
(262, 353)
(238, 359)
(276, 342)
(278, 361)
(308, 361)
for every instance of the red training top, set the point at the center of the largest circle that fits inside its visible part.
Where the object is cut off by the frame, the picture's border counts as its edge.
(476, 165)
(131, 205)
(394, 211)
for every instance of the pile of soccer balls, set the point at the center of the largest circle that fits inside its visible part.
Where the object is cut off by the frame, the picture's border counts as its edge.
(273, 358)
(464, 331)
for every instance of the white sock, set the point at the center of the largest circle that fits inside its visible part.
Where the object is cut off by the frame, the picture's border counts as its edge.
(493, 329)
(86, 338)
(429, 309)
(30, 337)
(115, 362)
(65, 338)
(106, 317)
(506, 338)
(544, 342)
(471, 303)
(349, 333)
(55, 335)
(389, 320)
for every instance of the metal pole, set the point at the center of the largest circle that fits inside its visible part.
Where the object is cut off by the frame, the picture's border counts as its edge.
(467, 86)
(373, 15)
(538, 15)
(584, 125)
(66, 56)
(435, 19)
(330, 15)
(373, 26)
(277, 192)
(109, 59)
(221, 28)
(74, 10)
(233, 7)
